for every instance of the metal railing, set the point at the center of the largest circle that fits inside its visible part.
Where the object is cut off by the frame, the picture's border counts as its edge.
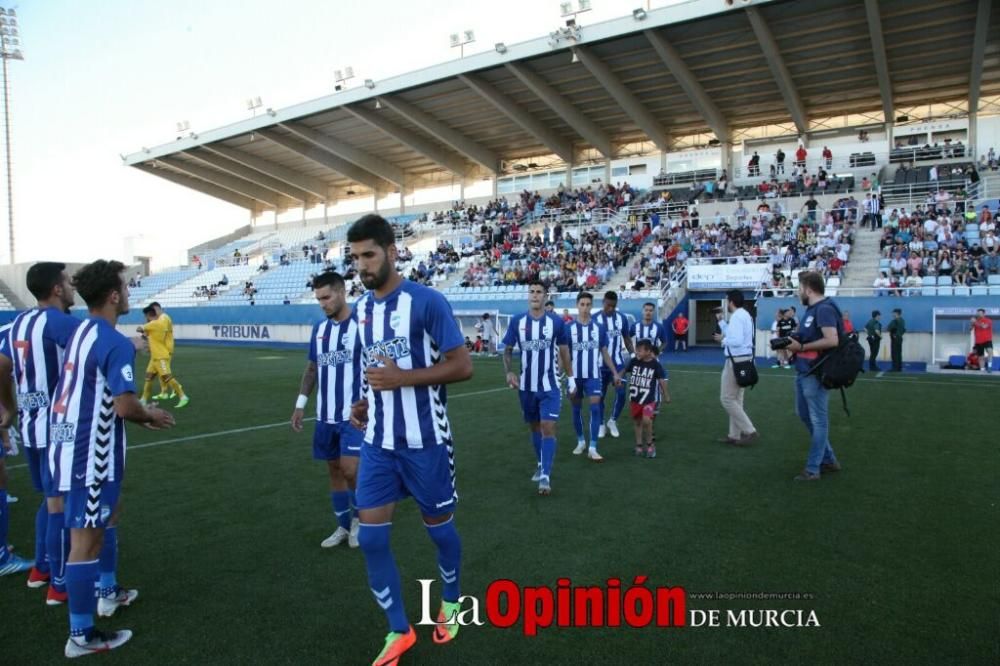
(839, 163)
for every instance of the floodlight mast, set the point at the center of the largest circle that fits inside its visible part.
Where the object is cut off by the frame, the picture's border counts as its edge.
(10, 49)
(460, 39)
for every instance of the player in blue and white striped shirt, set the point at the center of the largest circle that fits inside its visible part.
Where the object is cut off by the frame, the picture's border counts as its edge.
(94, 397)
(619, 331)
(589, 359)
(412, 348)
(655, 332)
(334, 364)
(648, 328)
(541, 337)
(31, 358)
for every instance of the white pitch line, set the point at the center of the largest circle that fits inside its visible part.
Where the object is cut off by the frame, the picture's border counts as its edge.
(885, 380)
(266, 426)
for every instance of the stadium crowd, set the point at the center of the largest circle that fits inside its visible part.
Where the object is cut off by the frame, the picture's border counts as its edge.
(937, 241)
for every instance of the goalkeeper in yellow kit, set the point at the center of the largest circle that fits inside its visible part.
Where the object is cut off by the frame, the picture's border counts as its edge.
(158, 329)
(160, 314)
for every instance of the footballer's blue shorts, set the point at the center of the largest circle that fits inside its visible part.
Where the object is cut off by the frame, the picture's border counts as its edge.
(332, 440)
(540, 405)
(588, 387)
(92, 506)
(389, 475)
(41, 474)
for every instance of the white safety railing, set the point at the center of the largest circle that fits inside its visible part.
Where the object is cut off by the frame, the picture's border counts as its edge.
(841, 163)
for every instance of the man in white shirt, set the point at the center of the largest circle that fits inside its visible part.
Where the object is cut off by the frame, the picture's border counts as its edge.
(736, 337)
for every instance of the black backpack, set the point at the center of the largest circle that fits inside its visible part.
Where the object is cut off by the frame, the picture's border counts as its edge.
(840, 367)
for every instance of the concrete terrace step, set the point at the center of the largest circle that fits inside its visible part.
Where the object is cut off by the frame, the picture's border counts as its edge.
(862, 269)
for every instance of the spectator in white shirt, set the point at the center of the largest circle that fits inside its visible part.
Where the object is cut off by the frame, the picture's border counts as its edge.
(881, 285)
(736, 337)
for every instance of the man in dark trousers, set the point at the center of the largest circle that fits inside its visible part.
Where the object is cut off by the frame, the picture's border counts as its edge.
(897, 329)
(874, 330)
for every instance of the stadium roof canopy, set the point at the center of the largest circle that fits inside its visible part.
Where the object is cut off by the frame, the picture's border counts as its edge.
(703, 67)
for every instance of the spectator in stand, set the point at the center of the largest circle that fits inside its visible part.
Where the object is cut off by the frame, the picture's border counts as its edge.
(779, 161)
(754, 164)
(827, 157)
(680, 329)
(881, 285)
(800, 156)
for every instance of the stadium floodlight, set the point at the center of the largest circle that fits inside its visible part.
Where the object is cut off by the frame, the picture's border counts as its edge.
(341, 77)
(10, 49)
(254, 103)
(183, 126)
(639, 14)
(500, 47)
(566, 8)
(459, 40)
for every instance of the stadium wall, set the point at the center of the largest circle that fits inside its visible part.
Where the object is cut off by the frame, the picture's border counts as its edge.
(290, 325)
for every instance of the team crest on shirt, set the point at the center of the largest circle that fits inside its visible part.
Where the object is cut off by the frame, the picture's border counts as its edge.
(105, 512)
(345, 339)
(809, 321)
(394, 320)
(127, 373)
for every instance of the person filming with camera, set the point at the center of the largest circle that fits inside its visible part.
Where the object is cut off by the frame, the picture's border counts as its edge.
(819, 333)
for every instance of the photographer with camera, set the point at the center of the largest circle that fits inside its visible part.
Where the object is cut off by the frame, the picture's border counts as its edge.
(736, 337)
(818, 334)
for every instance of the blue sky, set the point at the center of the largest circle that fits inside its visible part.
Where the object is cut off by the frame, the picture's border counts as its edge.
(109, 77)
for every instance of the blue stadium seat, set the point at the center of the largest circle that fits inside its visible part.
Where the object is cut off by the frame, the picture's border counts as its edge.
(956, 361)
(962, 291)
(929, 280)
(980, 290)
(928, 291)
(944, 280)
(993, 280)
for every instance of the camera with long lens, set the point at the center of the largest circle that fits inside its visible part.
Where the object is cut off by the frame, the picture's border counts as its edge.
(780, 343)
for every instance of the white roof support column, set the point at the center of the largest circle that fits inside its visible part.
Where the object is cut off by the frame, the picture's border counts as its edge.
(356, 156)
(442, 158)
(978, 53)
(778, 69)
(313, 186)
(249, 174)
(630, 104)
(699, 98)
(201, 186)
(225, 181)
(881, 62)
(584, 126)
(557, 144)
(446, 135)
(322, 157)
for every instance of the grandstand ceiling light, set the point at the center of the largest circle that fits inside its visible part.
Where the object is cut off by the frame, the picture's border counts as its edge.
(639, 14)
(500, 47)
(369, 84)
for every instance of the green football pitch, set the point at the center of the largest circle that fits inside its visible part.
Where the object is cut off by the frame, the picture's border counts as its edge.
(896, 555)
